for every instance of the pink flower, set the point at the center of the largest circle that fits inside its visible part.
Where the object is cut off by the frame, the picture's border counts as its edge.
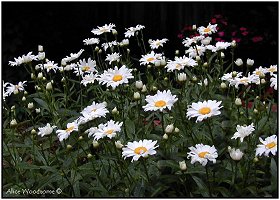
(257, 39)
(221, 34)
(213, 21)
(245, 33)
(224, 22)
(243, 29)
(218, 39)
(233, 33)
(180, 36)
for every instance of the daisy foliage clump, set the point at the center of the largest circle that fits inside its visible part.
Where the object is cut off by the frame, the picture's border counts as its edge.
(123, 118)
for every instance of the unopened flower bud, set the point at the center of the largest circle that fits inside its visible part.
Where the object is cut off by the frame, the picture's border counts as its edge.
(125, 42)
(238, 62)
(114, 32)
(144, 89)
(128, 51)
(263, 81)
(80, 138)
(194, 79)
(49, 86)
(136, 95)
(13, 108)
(63, 63)
(23, 98)
(30, 105)
(177, 52)
(157, 63)
(38, 110)
(139, 84)
(182, 77)
(100, 51)
(238, 102)
(13, 123)
(154, 88)
(223, 85)
(183, 165)
(115, 111)
(176, 130)
(233, 43)
(89, 156)
(194, 27)
(165, 136)
(33, 131)
(255, 159)
(234, 74)
(40, 48)
(32, 76)
(69, 146)
(197, 58)
(255, 111)
(96, 49)
(149, 66)
(235, 154)
(166, 78)
(169, 128)
(118, 144)
(95, 144)
(40, 75)
(250, 62)
(205, 64)
(44, 78)
(41, 55)
(222, 55)
(16, 91)
(162, 62)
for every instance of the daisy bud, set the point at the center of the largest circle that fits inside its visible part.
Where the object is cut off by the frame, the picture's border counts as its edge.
(194, 79)
(118, 144)
(63, 79)
(89, 156)
(30, 105)
(165, 136)
(238, 102)
(44, 78)
(115, 111)
(197, 58)
(128, 51)
(80, 138)
(235, 154)
(241, 113)
(157, 63)
(37, 67)
(37, 88)
(149, 66)
(13, 108)
(38, 110)
(125, 42)
(176, 130)
(40, 48)
(150, 41)
(32, 76)
(162, 62)
(250, 62)
(96, 49)
(177, 52)
(115, 32)
(183, 165)
(255, 159)
(105, 103)
(16, 91)
(222, 55)
(182, 77)
(69, 146)
(169, 128)
(13, 123)
(144, 89)
(255, 111)
(263, 81)
(100, 51)
(205, 64)
(233, 43)
(139, 84)
(40, 75)
(136, 95)
(49, 86)
(234, 74)
(63, 63)
(166, 78)
(257, 97)
(23, 98)
(33, 131)
(41, 55)
(223, 85)
(95, 144)
(238, 62)
(154, 88)
(194, 27)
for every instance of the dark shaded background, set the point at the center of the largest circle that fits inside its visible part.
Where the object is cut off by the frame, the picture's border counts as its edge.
(61, 26)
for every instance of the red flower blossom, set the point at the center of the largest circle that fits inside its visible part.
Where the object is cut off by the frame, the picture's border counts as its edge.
(257, 39)
(245, 33)
(221, 34)
(180, 36)
(213, 21)
(243, 29)
(218, 39)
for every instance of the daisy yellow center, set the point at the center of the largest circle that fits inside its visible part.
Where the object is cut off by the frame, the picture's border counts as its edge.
(103, 30)
(70, 129)
(245, 80)
(140, 150)
(270, 145)
(178, 65)
(160, 103)
(207, 30)
(203, 154)
(272, 70)
(117, 78)
(85, 68)
(158, 43)
(110, 131)
(150, 59)
(93, 110)
(204, 110)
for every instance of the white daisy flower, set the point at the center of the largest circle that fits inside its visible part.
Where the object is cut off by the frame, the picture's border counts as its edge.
(131, 30)
(88, 78)
(50, 65)
(187, 42)
(243, 131)
(155, 44)
(103, 29)
(23, 59)
(273, 81)
(11, 88)
(108, 129)
(272, 69)
(192, 51)
(260, 71)
(84, 66)
(139, 27)
(207, 30)
(64, 134)
(113, 57)
(180, 63)
(95, 110)
(235, 154)
(160, 101)
(91, 41)
(231, 76)
(115, 77)
(203, 110)
(73, 56)
(135, 149)
(105, 46)
(46, 130)
(150, 58)
(269, 145)
(218, 46)
(245, 80)
(202, 153)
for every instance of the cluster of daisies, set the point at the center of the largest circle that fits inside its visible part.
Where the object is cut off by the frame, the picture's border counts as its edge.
(118, 74)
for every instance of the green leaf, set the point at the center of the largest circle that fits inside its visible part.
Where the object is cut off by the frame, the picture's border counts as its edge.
(201, 186)
(273, 171)
(42, 103)
(130, 127)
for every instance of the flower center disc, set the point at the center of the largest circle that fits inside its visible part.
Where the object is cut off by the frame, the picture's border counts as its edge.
(117, 78)
(207, 30)
(270, 145)
(69, 129)
(110, 131)
(160, 103)
(150, 59)
(204, 110)
(203, 154)
(85, 68)
(140, 150)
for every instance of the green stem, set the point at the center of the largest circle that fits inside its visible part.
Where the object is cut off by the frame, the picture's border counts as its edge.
(208, 182)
